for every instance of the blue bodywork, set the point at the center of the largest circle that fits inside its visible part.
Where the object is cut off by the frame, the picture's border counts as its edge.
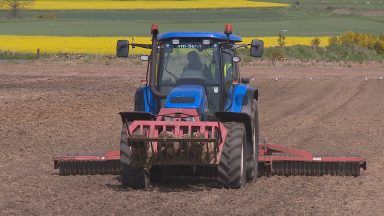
(187, 96)
(144, 100)
(203, 35)
(235, 99)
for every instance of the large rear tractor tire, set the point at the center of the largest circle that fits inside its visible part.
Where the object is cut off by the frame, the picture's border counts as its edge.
(232, 166)
(130, 175)
(253, 162)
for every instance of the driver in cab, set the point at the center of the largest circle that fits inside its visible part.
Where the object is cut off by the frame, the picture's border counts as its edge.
(195, 68)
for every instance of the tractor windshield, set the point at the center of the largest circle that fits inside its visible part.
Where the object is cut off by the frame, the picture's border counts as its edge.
(190, 62)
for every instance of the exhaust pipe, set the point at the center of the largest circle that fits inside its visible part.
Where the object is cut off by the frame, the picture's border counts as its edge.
(152, 73)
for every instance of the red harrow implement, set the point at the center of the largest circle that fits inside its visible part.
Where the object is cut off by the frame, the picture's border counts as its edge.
(179, 143)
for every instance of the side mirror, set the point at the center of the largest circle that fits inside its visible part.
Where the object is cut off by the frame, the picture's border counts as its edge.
(257, 47)
(244, 80)
(144, 58)
(122, 48)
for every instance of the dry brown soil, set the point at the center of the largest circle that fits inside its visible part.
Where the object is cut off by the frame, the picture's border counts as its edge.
(52, 108)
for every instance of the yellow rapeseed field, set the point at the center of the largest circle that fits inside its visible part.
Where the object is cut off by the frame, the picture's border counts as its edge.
(61, 44)
(147, 4)
(289, 41)
(105, 45)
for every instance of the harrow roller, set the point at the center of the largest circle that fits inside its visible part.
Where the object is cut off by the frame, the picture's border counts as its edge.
(304, 168)
(284, 161)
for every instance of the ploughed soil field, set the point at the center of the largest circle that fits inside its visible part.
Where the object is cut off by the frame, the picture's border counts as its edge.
(50, 108)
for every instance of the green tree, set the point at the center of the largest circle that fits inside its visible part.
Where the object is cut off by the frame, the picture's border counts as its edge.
(15, 6)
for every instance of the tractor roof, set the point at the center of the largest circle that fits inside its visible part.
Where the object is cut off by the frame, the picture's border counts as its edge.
(212, 35)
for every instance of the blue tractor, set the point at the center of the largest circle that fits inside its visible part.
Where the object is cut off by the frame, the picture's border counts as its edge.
(200, 117)
(196, 116)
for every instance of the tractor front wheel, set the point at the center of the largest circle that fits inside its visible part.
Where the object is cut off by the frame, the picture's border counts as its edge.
(130, 175)
(232, 166)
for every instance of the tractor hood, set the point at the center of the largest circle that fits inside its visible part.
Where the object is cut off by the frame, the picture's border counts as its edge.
(187, 96)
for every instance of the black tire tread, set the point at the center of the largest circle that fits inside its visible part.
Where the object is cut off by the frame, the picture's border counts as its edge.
(229, 169)
(252, 163)
(131, 176)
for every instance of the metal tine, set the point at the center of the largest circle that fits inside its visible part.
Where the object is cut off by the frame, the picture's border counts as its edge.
(71, 168)
(74, 170)
(310, 167)
(300, 168)
(290, 168)
(347, 169)
(80, 168)
(279, 169)
(344, 170)
(333, 168)
(68, 169)
(351, 170)
(100, 165)
(336, 168)
(281, 166)
(305, 168)
(87, 167)
(313, 168)
(273, 168)
(345, 165)
(339, 169)
(354, 166)
(62, 168)
(276, 168)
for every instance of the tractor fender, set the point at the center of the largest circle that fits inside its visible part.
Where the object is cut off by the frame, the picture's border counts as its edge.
(240, 98)
(144, 100)
(239, 107)
(239, 117)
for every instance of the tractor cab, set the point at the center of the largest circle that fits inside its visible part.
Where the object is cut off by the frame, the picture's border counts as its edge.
(196, 70)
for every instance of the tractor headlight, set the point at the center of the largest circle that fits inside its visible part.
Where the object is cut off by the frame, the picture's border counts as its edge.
(175, 41)
(206, 42)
